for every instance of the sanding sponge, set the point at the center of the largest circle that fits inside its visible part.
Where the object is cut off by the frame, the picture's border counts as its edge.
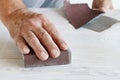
(31, 60)
(79, 14)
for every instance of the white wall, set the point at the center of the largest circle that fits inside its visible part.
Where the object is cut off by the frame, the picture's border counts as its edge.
(116, 3)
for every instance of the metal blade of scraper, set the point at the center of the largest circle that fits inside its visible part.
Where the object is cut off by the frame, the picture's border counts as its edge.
(79, 14)
(100, 23)
(31, 60)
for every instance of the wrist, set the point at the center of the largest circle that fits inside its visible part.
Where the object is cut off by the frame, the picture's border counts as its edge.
(12, 16)
(7, 7)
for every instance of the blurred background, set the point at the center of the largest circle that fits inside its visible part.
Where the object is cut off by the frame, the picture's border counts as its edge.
(116, 3)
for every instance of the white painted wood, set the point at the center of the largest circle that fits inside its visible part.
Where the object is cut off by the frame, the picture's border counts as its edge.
(95, 56)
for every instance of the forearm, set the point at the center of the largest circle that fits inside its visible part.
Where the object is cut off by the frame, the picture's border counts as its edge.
(9, 6)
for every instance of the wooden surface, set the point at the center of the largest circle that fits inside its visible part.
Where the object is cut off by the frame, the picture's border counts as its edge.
(95, 55)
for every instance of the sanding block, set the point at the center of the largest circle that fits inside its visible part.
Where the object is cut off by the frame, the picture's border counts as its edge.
(31, 60)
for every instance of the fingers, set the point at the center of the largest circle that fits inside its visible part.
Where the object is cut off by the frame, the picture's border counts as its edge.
(55, 34)
(102, 5)
(98, 7)
(34, 43)
(94, 5)
(22, 45)
(48, 42)
(103, 9)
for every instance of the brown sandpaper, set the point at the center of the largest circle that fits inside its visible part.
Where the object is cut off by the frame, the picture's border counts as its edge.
(31, 60)
(79, 14)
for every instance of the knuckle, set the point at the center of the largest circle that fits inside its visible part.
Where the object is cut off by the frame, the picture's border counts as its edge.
(54, 33)
(28, 37)
(23, 31)
(51, 26)
(33, 23)
(31, 40)
(29, 22)
(42, 35)
(42, 17)
(30, 26)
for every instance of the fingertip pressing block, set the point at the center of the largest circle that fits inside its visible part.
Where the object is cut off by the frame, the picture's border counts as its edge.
(79, 14)
(31, 60)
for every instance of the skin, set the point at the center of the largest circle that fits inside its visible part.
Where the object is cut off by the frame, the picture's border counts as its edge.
(36, 30)
(102, 5)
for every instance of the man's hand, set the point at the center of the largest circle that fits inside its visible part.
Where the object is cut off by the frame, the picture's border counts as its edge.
(35, 30)
(102, 5)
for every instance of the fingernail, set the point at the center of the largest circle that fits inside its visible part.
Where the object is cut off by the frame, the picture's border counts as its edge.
(43, 56)
(55, 53)
(26, 50)
(64, 46)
